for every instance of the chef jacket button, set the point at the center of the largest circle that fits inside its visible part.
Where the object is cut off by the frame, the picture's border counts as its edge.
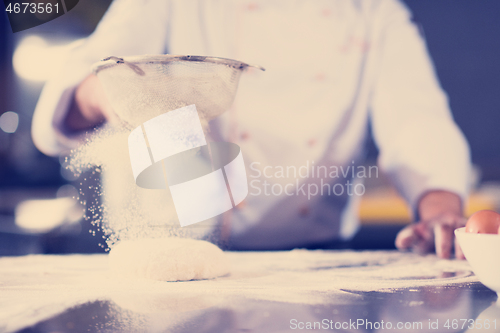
(320, 77)
(252, 6)
(244, 136)
(326, 12)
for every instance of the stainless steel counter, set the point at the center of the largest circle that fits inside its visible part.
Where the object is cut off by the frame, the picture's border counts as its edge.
(342, 291)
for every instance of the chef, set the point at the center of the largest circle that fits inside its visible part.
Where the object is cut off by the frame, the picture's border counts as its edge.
(333, 69)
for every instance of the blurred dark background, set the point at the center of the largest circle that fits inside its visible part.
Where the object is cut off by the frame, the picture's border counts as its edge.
(37, 212)
(463, 37)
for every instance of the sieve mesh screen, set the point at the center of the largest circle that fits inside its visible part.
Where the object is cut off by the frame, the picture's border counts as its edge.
(140, 88)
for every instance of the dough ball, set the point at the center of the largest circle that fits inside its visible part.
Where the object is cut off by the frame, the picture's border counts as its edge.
(168, 259)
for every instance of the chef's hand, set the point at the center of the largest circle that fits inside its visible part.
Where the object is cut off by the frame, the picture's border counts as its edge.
(90, 107)
(440, 214)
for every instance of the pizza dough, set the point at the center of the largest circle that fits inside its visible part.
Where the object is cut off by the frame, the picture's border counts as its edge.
(168, 259)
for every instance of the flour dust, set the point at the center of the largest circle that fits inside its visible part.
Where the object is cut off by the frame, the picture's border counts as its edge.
(120, 208)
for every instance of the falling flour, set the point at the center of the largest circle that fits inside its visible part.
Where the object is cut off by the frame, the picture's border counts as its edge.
(126, 211)
(143, 222)
(139, 89)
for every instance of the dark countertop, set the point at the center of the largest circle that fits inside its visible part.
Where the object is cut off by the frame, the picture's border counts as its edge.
(344, 291)
(423, 309)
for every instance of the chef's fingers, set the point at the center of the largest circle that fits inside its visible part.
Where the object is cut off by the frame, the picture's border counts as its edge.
(423, 245)
(425, 230)
(458, 250)
(406, 238)
(424, 242)
(413, 234)
(415, 237)
(443, 238)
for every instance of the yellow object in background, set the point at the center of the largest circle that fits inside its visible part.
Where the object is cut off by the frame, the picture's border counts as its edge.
(385, 206)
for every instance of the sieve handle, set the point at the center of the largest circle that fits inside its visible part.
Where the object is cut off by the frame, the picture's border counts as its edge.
(134, 67)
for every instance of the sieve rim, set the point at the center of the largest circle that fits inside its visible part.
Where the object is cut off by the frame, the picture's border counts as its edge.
(165, 58)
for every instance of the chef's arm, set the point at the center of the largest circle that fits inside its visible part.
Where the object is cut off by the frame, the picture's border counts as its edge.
(439, 214)
(69, 103)
(421, 148)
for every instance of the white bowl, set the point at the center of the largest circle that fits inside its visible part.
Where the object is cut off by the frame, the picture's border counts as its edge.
(483, 254)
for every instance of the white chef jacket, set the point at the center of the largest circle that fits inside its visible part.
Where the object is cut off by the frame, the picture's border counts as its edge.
(332, 66)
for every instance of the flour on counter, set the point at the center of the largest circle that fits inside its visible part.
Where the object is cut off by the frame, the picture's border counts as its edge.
(168, 259)
(36, 287)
